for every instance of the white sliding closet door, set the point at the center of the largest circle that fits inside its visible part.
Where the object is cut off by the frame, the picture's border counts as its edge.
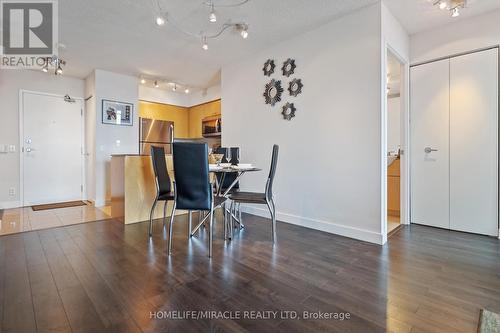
(474, 143)
(430, 130)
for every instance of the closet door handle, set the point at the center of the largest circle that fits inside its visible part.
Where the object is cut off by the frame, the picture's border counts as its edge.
(429, 150)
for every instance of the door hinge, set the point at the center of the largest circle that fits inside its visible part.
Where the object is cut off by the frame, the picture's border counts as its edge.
(81, 112)
(81, 188)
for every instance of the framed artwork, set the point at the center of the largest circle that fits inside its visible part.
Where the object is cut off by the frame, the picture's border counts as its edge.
(117, 113)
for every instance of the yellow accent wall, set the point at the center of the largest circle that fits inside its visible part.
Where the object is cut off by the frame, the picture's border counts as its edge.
(187, 121)
(198, 112)
(178, 114)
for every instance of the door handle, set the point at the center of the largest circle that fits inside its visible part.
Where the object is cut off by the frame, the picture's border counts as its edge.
(429, 150)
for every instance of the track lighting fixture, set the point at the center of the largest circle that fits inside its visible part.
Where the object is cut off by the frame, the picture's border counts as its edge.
(156, 84)
(160, 20)
(453, 6)
(175, 87)
(143, 81)
(53, 62)
(212, 17)
(186, 90)
(241, 27)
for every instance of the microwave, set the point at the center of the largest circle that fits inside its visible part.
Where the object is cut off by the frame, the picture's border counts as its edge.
(211, 127)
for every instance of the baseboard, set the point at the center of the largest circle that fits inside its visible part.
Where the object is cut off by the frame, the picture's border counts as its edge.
(337, 229)
(10, 204)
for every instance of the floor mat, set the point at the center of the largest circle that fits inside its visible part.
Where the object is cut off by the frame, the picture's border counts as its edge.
(59, 205)
(489, 322)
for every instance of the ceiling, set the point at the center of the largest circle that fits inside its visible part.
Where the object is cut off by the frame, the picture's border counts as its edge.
(420, 15)
(121, 36)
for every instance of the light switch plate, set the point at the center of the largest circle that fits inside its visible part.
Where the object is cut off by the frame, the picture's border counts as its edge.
(12, 148)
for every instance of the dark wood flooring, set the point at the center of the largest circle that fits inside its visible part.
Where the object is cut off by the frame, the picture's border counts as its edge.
(107, 277)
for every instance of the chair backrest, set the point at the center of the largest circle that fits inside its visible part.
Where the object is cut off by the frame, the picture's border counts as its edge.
(192, 183)
(160, 170)
(229, 178)
(272, 172)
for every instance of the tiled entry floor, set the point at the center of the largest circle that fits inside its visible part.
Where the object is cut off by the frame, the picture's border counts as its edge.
(25, 219)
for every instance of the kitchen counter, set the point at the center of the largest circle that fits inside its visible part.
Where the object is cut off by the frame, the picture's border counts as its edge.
(133, 188)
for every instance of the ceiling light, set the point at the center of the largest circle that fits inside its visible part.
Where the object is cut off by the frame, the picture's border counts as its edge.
(143, 81)
(455, 12)
(160, 20)
(59, 70)
(186, 91)
(175, 87)
(205, 44)
(45, 67)
(244, 33)
(212, 17)
(443, 5)
(156, 84)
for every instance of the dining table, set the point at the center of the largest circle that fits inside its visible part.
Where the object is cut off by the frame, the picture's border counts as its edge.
(223, 169)
(227, 168)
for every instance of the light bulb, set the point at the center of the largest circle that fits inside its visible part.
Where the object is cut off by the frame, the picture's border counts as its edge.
(205, 45)
(455, 12)
(160, 20)
(212, 17)
(186, 91)
(244, 33)
(143, 81)
(45, 69)
(59, 70)
(156, 84)
(443, 5)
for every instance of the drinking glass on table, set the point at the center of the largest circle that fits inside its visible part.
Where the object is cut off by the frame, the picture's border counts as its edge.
(228, 155)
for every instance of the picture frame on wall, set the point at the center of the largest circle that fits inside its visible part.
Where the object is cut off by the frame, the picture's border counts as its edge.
(117, 113)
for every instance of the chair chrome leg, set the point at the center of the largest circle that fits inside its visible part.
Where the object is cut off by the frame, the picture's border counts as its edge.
(151, 217)
(231, 224)
(190, 223)
(165, 213)
(239, 216)
(171, 228)
(211, 232)
(224, 220)
(274, 222)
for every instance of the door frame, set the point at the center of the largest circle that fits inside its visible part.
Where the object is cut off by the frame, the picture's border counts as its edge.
(21, 140)
(405, 143)
(497, 46)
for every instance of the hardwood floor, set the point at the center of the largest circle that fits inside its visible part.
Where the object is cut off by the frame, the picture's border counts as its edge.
(107, 277)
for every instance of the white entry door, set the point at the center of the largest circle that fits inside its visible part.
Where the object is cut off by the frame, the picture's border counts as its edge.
(52, 149)
(430, 95)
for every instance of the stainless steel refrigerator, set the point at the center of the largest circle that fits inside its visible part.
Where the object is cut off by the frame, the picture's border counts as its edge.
(154, 132)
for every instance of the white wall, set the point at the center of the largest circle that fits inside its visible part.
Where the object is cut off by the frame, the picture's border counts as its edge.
(112, 139)
(203, 96)
(462, 36)
(195, 97)
(393, 123)
(329, 172)
(164, 96)
(11, 82)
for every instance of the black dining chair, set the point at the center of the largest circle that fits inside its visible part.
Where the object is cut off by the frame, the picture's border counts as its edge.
(162, 183)
(266, 198)
(192, 188)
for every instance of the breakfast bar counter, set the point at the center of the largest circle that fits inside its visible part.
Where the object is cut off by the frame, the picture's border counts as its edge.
(133, 188)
